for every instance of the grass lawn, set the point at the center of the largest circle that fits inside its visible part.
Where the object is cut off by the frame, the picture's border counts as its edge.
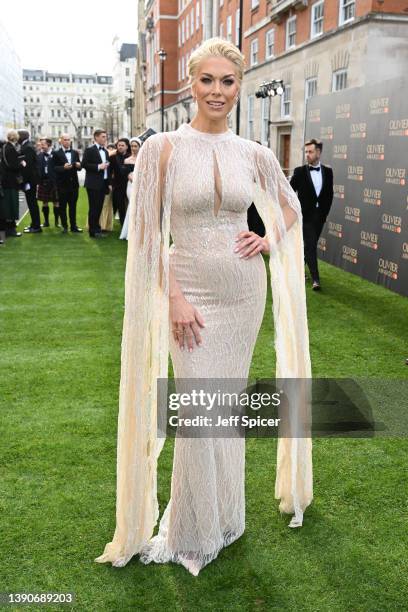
(61, 308)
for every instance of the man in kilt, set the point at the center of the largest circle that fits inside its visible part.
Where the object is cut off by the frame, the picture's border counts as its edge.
(47, 189)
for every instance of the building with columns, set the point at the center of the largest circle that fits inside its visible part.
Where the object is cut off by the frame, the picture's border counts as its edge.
(315, 47)
(65, 102)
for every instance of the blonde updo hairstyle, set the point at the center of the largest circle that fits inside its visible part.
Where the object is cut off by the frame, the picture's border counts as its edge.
(216, 47)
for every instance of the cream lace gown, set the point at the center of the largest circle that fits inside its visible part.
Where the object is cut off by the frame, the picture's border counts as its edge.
(197, 187)
(210, 199)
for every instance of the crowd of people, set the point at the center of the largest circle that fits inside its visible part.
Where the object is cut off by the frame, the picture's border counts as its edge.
(49, 175)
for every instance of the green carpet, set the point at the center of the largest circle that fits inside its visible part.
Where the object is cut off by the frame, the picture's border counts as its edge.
(61, 308)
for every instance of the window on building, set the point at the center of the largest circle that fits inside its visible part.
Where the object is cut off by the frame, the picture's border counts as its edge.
(237, 27)
(182, 32)
(58, 113)
(339, 80)
(91, 114)
(269, 44)
(90, 101)
(197, 15)
(52, 113)
(291, 32)
(254, 52)
(202, 12)
(266, 103)
(310, 88)
(187, 28)
(78, 114)
(182, 68)
(286, 104)
(221, 2)
(192, 21)
(347, 11)
(250, 117)
(254, 4)
(229, 28)
(127, 72)
(317, 19)
(179, 35)
(221, 31)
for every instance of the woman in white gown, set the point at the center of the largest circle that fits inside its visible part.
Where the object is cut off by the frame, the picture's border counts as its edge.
(130, 166)
(205, 293)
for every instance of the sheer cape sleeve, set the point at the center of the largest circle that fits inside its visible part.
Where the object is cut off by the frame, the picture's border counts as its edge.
(144, 356)
(280, 211)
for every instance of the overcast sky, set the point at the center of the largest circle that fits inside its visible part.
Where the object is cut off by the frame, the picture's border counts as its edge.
(72, 35)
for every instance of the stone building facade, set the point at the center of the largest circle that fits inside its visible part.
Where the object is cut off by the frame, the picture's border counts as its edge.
(315, 47)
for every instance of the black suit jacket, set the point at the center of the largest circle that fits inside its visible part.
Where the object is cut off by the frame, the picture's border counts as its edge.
(30, 171)
(66, 179)
(119, 171)
(10, 167)
(302, 183)
(42, 165)
(90, 161)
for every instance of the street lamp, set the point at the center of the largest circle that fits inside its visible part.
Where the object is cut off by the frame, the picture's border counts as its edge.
(162, 56)
(130, 109)
(270, 89)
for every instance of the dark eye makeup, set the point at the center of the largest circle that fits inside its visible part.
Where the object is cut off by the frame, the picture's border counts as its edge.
(227, 82)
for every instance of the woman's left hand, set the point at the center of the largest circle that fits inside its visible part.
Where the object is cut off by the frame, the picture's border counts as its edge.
(250, 244)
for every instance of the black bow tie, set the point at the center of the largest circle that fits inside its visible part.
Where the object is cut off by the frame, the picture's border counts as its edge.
(67, 150)
(101, 149)
(313, 168)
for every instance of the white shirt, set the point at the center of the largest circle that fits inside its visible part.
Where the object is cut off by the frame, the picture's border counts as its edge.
(317, 180)
(102, 153)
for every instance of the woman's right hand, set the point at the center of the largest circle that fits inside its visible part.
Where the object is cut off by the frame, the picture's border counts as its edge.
(185, 321)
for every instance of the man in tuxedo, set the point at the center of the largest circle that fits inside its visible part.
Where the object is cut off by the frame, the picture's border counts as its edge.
(97, 180)
(66, 165)
(31, 178)
(313, 183)
(120, 178)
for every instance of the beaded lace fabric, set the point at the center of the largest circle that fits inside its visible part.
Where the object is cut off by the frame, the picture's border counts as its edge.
(197, 187)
